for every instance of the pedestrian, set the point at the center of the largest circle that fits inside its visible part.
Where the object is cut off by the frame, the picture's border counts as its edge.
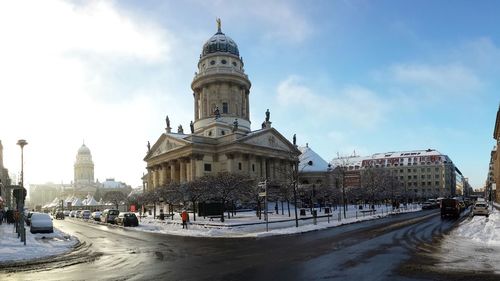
(1, 215)
(184, 217)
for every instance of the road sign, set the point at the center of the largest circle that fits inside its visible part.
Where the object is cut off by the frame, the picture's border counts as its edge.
(262, 194)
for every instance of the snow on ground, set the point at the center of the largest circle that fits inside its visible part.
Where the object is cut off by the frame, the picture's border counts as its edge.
(247, 224)
(480, 228)
(37, 245)
(473, 245)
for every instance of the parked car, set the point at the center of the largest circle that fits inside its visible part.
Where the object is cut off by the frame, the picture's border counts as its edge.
(59, 215)
(72, 213)
(481, 208)
(127, 219)
(85, 214)
(66, 212)
(109, 215)
(427, 206)
(28, 218)
(450, 207)
(41, 223)
(78, 214)
(96, 216)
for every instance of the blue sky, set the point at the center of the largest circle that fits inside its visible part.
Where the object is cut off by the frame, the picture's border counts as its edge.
(369, 76)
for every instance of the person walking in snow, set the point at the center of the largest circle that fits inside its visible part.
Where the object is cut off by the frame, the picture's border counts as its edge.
(184, 217)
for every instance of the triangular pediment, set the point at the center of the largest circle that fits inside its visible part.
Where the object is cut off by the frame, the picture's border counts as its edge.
(165, 144)
(270, 138)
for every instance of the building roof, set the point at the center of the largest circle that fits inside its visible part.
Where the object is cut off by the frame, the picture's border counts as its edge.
(310, 161)
(220, 42)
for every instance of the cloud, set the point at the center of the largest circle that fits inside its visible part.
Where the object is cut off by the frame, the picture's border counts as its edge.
(277, 20)
(58, 60)
(352, 104)
(452, 78)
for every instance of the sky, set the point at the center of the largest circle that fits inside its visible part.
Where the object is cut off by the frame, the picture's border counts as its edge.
(345, 76)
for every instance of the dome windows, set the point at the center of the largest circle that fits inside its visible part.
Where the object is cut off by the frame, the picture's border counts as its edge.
(235, 64)
(223, 61)
(212, 62)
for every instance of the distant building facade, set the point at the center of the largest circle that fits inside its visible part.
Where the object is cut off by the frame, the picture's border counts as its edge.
(82, 186)
(4, 179)
(495, 155)
(84, 167)
(421, 173)
(220, 138)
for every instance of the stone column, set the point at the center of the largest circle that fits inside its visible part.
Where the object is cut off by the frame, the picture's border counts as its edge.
(155, 176)
(182, 171)
(164, 176)
(150, 179)
(173, 171)
(230, 162)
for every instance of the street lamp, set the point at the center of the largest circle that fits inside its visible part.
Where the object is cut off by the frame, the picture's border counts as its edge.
(20, 207)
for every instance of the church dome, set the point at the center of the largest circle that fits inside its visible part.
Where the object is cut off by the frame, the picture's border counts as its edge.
(84, 150)
(220, 42)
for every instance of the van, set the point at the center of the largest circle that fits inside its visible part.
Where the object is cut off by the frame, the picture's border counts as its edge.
(450, 207)
(109, 215)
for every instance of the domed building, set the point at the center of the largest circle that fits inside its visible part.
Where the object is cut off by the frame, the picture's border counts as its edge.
(220, 138)
(84, 167)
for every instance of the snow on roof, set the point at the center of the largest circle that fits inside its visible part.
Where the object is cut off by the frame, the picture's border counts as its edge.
(348, 161)
(310, 161)
(427, 152)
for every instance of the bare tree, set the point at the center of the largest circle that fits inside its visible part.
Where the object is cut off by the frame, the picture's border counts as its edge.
(227, 187)
(169, 194)
(194, 191)
(116, 197)
(372, 179)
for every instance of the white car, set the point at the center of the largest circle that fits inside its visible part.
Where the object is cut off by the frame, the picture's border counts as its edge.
(96, 216)
(41, 223)
(481, 208)
(66, 212)
(85, 214)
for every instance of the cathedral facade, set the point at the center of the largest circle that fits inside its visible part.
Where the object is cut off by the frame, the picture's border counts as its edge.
(220, 139)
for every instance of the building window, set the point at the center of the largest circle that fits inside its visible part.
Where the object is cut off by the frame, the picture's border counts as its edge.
(223, 61)
(239, 166)
(212, 62)
(409, 177)
(428, 169)
(224, 107)
(235, 64)
(208, 167)
(222, 132)
(253, 167)
(437, 183)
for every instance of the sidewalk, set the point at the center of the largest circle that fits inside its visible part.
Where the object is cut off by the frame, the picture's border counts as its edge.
(246, 224)
(37, 245)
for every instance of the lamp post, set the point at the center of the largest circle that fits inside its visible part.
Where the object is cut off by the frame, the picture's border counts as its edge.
(20, 207)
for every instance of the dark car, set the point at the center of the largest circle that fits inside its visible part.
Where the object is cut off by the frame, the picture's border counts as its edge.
(59, 215)
(127, 219)
(28, 218)
(450, 207)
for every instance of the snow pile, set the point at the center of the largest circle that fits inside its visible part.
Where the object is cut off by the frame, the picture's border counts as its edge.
(480, 229)
(37, 245)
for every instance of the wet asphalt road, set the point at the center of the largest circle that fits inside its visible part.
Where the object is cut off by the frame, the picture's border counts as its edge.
(391, 248)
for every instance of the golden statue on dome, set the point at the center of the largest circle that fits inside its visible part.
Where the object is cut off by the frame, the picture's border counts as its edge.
(218, 24)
